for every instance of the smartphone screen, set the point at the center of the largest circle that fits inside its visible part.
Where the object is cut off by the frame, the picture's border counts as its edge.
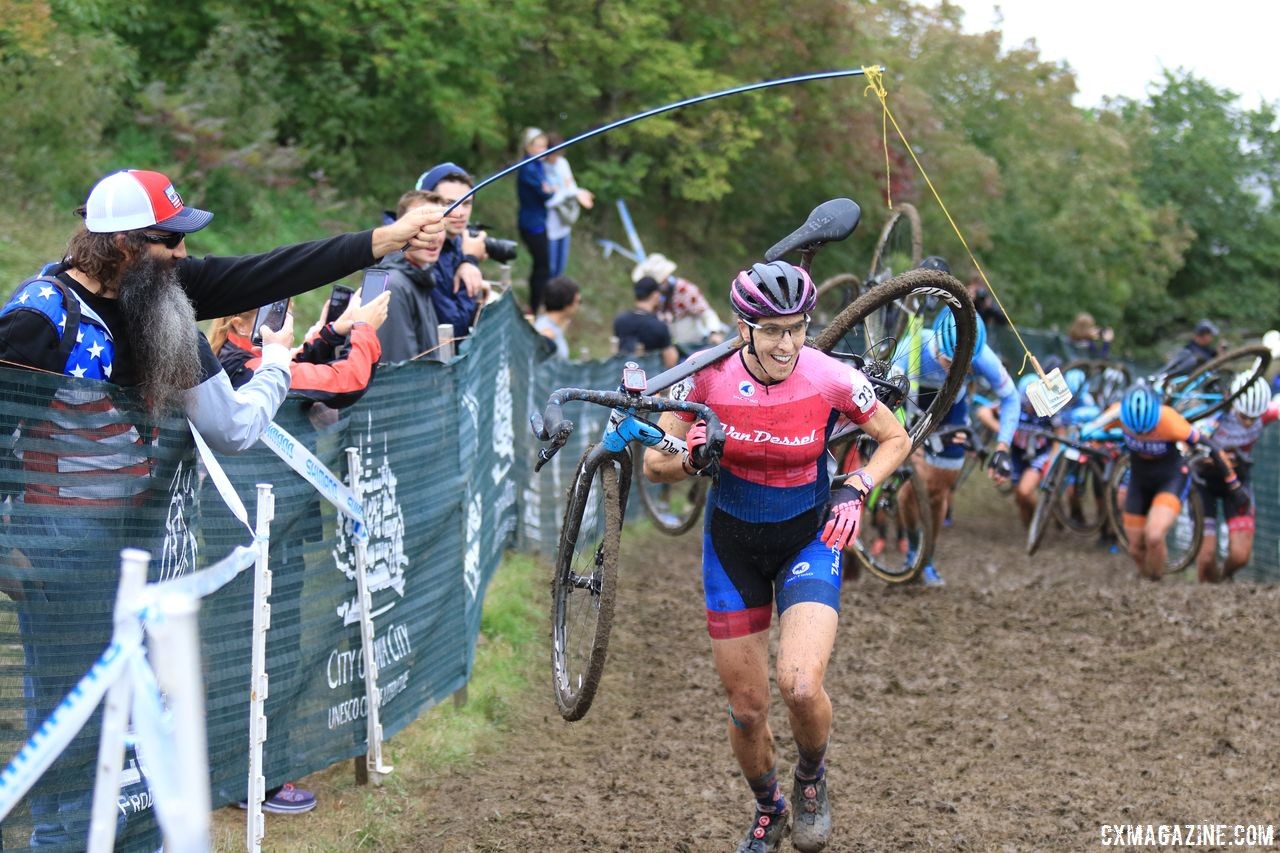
(272, 316)
(375, 281)
(338, 302)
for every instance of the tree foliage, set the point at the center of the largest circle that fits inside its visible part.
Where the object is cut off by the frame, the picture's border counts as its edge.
(1149, 213)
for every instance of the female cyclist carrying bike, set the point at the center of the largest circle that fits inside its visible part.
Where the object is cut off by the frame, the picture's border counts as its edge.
(774, 532)
(1233, 433)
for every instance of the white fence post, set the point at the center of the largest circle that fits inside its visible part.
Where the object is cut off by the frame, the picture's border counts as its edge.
(173, 644)
(116, 708)
(255, 825)
(373, 759)
(444, 334)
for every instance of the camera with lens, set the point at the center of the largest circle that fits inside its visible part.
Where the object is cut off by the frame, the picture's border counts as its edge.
(502, 251)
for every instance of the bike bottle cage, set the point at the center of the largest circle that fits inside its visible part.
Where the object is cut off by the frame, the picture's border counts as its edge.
(629, 429)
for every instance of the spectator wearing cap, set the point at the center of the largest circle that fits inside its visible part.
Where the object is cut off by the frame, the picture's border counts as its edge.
(563, 300)
(121, 308)
(640, 330)
(131, 277)
(567, 202)
(1199, 349)
(692, 320)
(460, 287)
(533, 190)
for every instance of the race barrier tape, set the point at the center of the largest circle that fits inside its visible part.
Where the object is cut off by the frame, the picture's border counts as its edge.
(302, 460)
(207, 581)
(61, 726)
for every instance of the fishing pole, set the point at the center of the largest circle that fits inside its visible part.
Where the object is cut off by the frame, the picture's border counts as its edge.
(687, 102)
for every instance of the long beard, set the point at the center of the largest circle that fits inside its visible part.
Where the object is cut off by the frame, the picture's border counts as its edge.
(161, 324)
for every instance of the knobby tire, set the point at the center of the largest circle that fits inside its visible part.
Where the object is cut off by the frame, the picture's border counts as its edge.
(596, 484)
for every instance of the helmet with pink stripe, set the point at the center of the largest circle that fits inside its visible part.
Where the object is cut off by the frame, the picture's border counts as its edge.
(776, 289)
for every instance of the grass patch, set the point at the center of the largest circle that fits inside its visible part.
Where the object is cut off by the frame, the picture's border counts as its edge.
(509, 667)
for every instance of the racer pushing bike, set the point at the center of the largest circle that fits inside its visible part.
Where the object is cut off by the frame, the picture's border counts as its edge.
(775, 532)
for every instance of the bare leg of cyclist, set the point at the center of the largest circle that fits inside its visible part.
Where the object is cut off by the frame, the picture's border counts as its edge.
(1239, 550)
(940, 482)
(1135, 532)
(1027, 494)
(1160, 519)
(804, 647)
(1207, 559)
(743, 665)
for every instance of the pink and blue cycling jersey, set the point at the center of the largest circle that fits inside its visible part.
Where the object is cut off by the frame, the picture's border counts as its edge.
(774, 466)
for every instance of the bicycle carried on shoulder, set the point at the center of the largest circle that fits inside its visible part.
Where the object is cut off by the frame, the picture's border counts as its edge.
(585, 579)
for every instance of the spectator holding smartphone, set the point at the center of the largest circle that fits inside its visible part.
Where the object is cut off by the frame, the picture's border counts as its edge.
(412, 326)
(316, 372)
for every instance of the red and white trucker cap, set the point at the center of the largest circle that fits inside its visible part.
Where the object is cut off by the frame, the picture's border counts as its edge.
(134, 199)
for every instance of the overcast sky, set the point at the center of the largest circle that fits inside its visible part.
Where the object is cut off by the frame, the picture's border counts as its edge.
(1117, 47)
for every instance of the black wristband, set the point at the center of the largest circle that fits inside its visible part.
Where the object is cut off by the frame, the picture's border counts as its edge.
(471, 259)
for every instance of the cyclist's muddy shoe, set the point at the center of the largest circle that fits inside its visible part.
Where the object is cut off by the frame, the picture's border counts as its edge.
(877, 546)
(929, 576)
(765, 834)
(812, 824)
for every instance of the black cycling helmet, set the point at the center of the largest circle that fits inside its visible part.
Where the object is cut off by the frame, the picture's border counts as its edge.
(776, 289)
(933, 262)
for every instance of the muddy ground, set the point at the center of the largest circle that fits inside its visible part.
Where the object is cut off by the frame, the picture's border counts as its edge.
(1022, 707)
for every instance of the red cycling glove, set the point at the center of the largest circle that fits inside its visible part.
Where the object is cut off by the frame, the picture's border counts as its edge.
(843, 517)
(696, 437)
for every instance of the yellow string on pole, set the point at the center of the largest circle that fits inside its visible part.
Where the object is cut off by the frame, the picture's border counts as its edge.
(875, 85)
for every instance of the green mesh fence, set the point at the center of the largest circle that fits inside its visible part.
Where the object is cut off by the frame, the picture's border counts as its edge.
(447, 460)
(447, 480)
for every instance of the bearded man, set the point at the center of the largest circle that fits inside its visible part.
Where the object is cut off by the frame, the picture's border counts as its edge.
(121, 308)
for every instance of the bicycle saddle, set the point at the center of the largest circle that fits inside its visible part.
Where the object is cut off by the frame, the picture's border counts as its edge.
(829, 222)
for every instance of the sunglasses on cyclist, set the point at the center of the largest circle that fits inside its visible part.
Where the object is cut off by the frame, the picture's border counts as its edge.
(169, 239)
(772, 333)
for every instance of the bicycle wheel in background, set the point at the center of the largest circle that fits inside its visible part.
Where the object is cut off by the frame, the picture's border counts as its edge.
(1182, 542)
(1207, 389)
(1047, 496)
(884, 529)
(1105, 381)
(674, 508)
(1081, 501)
(833, 294)
(585, 583)
(924, 404)
(1117, 485)
(899, 249)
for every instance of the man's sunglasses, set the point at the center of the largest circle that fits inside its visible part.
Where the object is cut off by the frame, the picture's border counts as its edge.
(169, 239)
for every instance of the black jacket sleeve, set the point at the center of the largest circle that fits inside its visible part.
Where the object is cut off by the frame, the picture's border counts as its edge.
(223, 286)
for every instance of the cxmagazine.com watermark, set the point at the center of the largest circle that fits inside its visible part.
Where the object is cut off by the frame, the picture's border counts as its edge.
(1188, 835)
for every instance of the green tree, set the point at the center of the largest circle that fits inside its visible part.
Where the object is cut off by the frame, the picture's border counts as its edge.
(1215, 165)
